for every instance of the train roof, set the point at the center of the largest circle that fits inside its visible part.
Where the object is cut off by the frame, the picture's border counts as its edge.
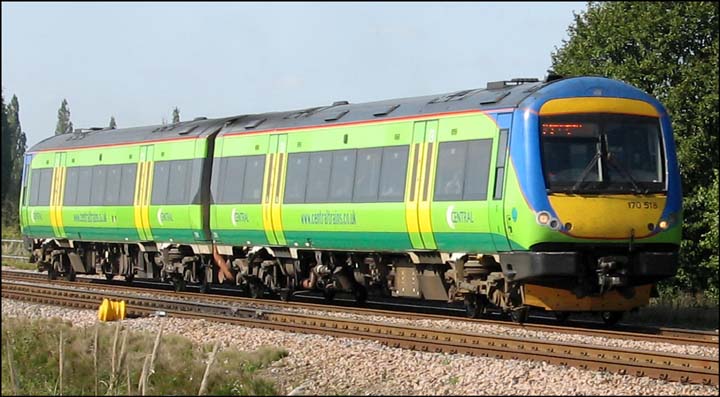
(502, 94)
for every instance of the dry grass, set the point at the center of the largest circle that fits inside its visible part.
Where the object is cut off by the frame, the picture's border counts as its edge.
(33, 361)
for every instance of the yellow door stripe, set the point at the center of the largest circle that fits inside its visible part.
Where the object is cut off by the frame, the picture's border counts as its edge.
(150, 166)
(59, 220)
(598, 105)
(276, 204)
(412, 190)
(139, 178)
(424, 207)
(267, 197)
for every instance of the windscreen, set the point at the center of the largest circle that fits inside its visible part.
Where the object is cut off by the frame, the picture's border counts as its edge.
(594, 153)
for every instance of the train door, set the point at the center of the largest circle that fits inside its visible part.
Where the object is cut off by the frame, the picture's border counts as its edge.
(56, 195)
(273, 189)
(418, 195)
(496, 214)
(143, 191)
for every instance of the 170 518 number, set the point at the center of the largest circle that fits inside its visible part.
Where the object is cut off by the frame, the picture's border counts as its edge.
(647, 205)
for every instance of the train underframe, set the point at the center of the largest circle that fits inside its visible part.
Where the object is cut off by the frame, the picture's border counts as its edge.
(485, 283)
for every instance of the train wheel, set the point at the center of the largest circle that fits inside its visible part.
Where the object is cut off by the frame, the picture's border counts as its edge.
(328, 294)
(255, 290)
(611, 318)
(52, 271)
(70, 274)
(360, 294)
(474, 306)
(562, 316)
(178, 284)
(519, 315)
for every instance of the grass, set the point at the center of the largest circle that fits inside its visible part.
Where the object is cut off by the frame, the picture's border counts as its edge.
(31, 354)
(683, 310)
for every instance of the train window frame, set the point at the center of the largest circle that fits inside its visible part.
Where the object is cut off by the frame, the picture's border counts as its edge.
(83, 195)
(393, 174)
(296, 178)
(72, 185)
(368, 168)
(233, 169)
(477, 171)
(253, 181)
(112, 185)
(444, 175)
(318, 180)
(500, 163)
(97, 186)
(128, 175)
(178, 179)
(342, 176)
(161, 176)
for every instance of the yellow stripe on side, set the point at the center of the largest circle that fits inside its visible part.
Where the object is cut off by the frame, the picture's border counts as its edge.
(61, 195)
(146, 198)
(426, 195)
(53, 199)
(139, 178)
(267, 197)
(598, 105)
(412, 187)
(277, 202)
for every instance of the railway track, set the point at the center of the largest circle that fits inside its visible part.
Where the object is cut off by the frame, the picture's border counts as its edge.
(665, 366)
(646, 334)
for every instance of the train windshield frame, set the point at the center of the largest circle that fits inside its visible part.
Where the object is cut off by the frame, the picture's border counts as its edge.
(602, 153)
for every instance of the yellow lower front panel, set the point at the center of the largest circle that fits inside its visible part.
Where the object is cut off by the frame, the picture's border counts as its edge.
(563, 300)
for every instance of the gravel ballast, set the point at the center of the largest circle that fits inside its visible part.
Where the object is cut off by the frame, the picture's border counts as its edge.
(326, 365)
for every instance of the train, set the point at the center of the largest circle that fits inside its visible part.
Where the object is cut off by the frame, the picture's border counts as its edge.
(561, 195)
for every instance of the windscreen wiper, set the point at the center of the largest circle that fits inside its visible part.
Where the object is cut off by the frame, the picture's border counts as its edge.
(586, 171)
(626, 174)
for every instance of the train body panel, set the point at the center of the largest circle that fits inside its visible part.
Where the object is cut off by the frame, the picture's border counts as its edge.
(567, 187)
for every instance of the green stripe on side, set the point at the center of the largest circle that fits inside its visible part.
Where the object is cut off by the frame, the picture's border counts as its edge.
(240, 237)
(350, 240)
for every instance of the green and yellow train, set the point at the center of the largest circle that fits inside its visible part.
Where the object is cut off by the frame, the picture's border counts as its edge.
(562, 195)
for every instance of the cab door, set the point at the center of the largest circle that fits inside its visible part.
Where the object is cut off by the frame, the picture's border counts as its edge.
(273, 189)
(420, 177)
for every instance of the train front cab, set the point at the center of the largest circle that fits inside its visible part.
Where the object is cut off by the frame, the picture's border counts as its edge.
(603, 191)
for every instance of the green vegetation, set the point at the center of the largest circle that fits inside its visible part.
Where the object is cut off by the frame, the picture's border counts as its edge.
(13, 151)
(680, 310)
(670, 50)
(31, 352)
(64, 125)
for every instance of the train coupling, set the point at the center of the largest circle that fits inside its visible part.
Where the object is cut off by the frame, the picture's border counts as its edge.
(611, 272)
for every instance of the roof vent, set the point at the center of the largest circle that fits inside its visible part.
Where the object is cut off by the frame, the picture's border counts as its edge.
(254, 124)
(521, 80)
(338, 103)
(200, 118)
(386, 111)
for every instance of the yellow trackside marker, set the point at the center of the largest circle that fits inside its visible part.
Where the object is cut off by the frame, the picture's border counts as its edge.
(598, 105)
(111, 310)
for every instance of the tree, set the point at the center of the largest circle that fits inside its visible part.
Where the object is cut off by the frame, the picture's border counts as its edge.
(18, 141)
(6, 165)
(112, 124)
(670, 50)
(176, 115)
(64, 125)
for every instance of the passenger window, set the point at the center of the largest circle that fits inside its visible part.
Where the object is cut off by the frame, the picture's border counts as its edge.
(40, 184)
(392, 175)
(232, 182)
(296, 178)
(477, 169)
(342, 176)
(450, 176)
(177, 192)
(367, 175)
(71, 186)
(253, 179)
(160, 182)
(318, 177)
(97, 187)
(127, 184)
(112, 187)
(84, 190)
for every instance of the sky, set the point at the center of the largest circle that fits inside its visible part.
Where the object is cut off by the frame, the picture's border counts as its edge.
(137, 61)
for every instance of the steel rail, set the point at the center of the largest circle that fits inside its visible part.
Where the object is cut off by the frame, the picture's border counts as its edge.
(663, 335)
(665, 366)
